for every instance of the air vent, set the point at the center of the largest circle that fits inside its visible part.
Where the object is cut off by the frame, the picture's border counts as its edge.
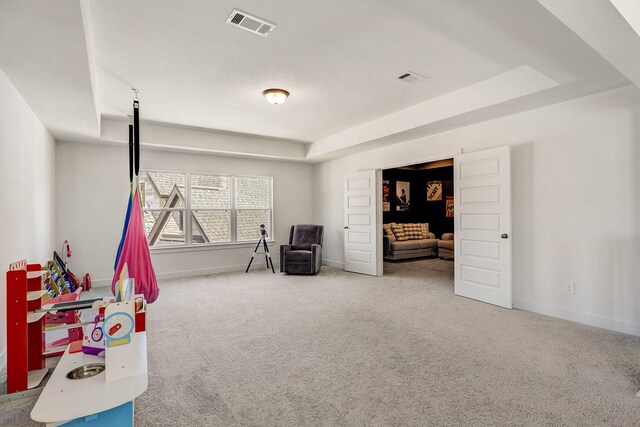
(250, 23)
(411, 77)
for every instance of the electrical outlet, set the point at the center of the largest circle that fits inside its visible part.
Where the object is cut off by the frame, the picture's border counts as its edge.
(569, 287)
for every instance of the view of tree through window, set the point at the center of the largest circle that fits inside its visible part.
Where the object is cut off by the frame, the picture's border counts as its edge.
(208, 208)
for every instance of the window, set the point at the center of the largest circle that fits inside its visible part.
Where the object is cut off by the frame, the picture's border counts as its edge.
(253, 206)
(164, 207)
(209, 208)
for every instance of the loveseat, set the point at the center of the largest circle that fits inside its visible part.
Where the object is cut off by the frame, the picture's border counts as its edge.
(445, 246)
(404, 241)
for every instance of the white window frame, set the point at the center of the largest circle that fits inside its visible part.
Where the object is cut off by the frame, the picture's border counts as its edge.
(234, 210)
(187, 187)
(188, 212)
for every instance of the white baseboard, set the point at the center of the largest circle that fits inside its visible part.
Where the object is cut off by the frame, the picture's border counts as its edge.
(331, 263)
(192, 273)
(617, 325)
(523, 304)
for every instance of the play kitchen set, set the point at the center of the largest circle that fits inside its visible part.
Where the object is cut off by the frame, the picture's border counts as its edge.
(28, 286)
(107, 364)
(103, 368)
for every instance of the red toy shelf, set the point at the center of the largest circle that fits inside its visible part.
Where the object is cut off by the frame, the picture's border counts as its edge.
(25, 327)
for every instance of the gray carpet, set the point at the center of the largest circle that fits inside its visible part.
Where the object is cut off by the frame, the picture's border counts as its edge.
(346, 349)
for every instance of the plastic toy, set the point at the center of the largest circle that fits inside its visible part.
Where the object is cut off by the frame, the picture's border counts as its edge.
(93, 341)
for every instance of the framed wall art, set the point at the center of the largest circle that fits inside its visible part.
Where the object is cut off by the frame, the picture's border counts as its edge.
(434, 191)
(403, 195)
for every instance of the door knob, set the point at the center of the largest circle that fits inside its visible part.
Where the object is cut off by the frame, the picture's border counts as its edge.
(504, 236)
(346, 227)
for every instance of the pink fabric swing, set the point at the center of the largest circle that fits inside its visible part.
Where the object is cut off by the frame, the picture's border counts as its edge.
(135, 253)
(134, 247)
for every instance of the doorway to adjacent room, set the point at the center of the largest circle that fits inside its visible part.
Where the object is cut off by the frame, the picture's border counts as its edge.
(418, 212)
(482, 224)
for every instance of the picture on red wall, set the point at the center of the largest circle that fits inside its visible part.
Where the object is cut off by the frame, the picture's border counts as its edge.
(434, 191)
(386, 196)
(449, 207)
(402, 196)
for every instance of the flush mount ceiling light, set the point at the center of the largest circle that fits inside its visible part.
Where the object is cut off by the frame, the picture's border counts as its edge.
(275, 96)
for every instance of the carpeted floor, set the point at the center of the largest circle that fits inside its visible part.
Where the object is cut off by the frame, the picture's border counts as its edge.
(346, 349)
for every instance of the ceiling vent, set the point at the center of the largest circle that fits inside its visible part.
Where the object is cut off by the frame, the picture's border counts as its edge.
(411, 77)
(250, 23)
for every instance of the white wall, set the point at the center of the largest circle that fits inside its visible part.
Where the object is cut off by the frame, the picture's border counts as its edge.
(92, 199)
(26, 172)
(576, 202)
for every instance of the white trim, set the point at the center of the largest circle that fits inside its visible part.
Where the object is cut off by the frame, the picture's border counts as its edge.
(433, 157)
(332, 263)
(188, 215)
(577, 316)
(188, 210)
(205, 247)
(194, 273)
(378, 218)
(199, 272)
(226, 175)
(233, 219)
(3, 359)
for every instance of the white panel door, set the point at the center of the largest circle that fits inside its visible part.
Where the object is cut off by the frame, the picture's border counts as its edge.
(363, 222)
(482, 215)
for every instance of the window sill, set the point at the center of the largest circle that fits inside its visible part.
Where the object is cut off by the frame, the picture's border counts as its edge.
(207, 247)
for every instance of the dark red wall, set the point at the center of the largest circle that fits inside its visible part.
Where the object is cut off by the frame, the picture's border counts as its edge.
(420, 210)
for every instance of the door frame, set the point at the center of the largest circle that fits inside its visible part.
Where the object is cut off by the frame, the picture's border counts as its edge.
(444, 155)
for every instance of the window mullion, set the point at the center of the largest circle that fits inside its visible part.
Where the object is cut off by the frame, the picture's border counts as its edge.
(189, 216)
(272, 225)
(234, 222)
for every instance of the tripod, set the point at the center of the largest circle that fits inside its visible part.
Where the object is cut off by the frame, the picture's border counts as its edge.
(267, 255)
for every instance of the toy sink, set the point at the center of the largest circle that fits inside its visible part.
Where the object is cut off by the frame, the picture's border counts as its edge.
(85, 371)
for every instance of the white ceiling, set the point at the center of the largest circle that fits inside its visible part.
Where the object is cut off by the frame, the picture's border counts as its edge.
(75, 62)
(44, 53)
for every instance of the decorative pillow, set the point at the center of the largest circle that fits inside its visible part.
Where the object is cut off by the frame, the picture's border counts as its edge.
(388, 233)
(425, 230)
(398, 232)
(413, 231)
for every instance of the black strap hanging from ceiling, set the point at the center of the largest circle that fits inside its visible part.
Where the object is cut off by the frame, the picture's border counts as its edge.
(136, 134)
(130, 150)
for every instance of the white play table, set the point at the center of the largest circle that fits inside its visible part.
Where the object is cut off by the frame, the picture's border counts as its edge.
(64, 400)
